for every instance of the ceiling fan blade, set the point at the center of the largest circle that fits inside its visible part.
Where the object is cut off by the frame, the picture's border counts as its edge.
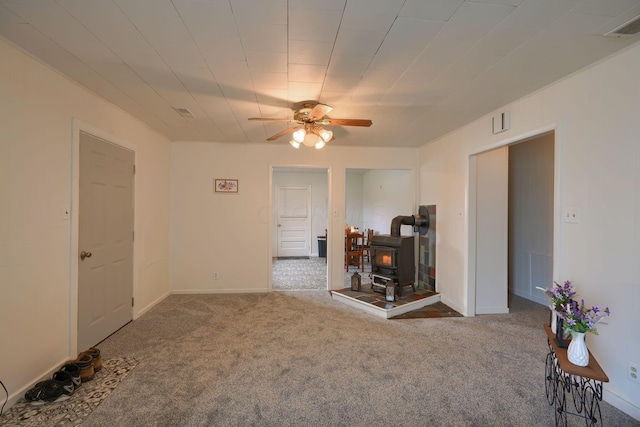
(346, 122)
(319, 111)
(270, 120)
(279, 134)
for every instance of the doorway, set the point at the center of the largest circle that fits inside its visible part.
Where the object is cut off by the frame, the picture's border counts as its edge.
(299, 223)
(511, 222)
(531, 204)
(105, 239)
(373, 197)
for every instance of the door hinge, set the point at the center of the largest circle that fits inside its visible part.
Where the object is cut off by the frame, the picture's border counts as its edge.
(131, 301)
(133, 236)
(134, 169)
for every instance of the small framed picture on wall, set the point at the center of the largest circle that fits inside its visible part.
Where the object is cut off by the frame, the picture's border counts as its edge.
(225, 185)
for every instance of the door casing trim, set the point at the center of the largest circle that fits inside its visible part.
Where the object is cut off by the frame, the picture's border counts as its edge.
(78, 126)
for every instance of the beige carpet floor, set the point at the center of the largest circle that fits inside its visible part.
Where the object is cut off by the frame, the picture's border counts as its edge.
(304, 359)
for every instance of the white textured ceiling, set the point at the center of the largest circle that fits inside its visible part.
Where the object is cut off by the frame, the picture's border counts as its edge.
(417, 68)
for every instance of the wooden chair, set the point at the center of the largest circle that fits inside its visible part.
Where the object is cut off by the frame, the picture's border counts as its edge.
(366, 249)
(354, 251)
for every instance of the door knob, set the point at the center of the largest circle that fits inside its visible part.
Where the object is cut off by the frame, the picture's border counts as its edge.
(85, 254)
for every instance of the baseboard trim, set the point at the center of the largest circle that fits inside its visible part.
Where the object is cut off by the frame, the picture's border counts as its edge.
(151, 305)
(492, 310)
(451, 304)
(16, 396)
(219, 291)
(621, 404)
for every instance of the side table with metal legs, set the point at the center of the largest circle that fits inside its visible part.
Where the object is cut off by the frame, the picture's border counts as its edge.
(581, 384)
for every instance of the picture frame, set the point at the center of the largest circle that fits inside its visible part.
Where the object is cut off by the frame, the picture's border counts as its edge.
(224, 185)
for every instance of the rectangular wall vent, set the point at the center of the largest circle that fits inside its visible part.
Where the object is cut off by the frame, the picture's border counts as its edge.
(501, 122)
(184, 112)
(628, 29)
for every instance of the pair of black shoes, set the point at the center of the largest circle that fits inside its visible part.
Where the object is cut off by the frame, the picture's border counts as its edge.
(67, 379)
(60, 387)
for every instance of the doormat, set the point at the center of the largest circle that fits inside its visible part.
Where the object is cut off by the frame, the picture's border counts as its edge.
(73, 411)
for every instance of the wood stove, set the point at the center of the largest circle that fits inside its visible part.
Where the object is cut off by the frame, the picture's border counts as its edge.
(393, 260)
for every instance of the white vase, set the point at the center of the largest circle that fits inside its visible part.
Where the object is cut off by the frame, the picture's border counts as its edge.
(577, 352)
(554, 319)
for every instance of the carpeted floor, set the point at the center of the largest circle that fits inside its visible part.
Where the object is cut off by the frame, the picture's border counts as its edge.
(305, 359)
(76, 409)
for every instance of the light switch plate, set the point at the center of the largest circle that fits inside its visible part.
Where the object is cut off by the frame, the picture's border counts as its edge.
(571, 215)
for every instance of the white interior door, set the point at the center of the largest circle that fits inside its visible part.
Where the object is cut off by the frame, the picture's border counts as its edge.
(492, 229)
(293, 221)
(105, 241)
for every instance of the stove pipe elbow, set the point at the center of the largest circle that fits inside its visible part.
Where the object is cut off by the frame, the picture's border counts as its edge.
(398, 221)
(415, 220)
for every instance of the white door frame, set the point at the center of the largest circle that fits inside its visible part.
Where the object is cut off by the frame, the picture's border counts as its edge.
(78, 126)
(272, 217)
(469, 296)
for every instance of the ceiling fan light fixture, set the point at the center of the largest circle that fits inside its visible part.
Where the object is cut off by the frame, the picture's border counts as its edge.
(326, 135)
(308, 131)
(311, 139)
(299, 135)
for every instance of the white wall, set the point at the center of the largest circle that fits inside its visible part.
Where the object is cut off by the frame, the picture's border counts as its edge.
(231, 234)
(596, 117)
(37, 108)
(388, 194)
(318, 181)
(375, 196)
(354, 198)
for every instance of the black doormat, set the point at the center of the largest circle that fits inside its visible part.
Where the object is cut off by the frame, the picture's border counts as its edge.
(292, 257)
(73, 411)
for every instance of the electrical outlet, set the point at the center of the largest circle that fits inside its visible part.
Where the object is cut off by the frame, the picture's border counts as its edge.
(215, 275)
(634, 372)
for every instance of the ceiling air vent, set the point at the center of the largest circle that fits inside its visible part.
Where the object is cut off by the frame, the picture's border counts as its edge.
(628, 29)
(184, 112)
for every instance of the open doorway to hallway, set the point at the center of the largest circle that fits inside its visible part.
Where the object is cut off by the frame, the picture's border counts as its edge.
(511, 222)
(531, 205)
(300, 215)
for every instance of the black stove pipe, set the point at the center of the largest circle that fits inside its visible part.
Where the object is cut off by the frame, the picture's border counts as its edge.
(421, 221)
